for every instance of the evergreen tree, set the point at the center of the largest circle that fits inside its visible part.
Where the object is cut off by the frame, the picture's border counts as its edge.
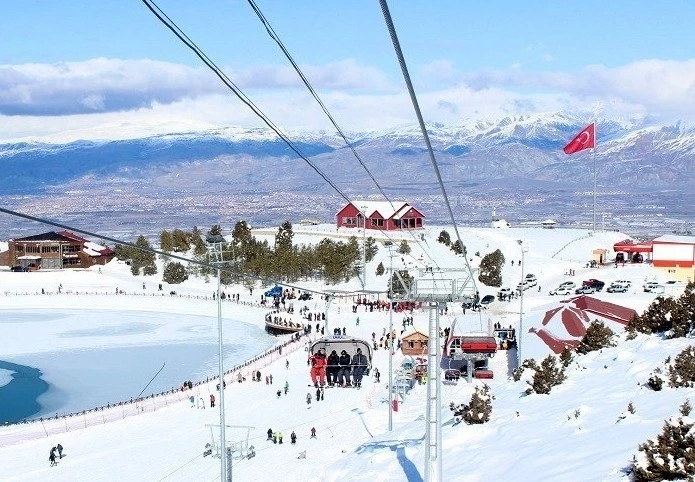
(380, 269)
(671, 456)
(681, 373)
(398, 289)
(181, 240)
(547, 376)
(404, 247)
(444, 238)
(458, 248)
(370, 249)
(166, 241)
(491, 269)
(597, 336)
(174, 273)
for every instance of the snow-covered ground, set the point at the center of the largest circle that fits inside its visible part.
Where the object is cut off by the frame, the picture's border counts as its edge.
(581, 431)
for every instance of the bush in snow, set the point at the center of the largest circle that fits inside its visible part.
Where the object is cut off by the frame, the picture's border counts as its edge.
(566, 357)
(597, 336)
(478, 410)
(174, 273)
(547, 375)
(671, 456)
(681, 373)
(444, 238)
(518, 371)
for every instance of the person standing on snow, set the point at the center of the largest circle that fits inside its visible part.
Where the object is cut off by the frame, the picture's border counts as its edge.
(212, 401)
(293, 437)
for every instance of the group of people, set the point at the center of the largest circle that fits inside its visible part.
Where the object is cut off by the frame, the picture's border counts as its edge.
(339, 368)
(276, 437)
(52, 456)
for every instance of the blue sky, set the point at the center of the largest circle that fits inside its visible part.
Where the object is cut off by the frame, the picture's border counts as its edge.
(106, 62)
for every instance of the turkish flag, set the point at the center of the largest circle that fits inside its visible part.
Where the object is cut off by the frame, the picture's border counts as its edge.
(586, 139)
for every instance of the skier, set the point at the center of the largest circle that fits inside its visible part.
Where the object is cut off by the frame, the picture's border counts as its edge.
(308, 399)
(377, 375)
(212, 401)
(192, 400)
(293, 437)
(279, 437)
(275, 437)
(313, 432)
(287, 387)
(270, 434)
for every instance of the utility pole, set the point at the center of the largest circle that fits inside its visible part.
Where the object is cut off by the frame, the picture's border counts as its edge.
(389, 244)
(364, 246)
(519, 359)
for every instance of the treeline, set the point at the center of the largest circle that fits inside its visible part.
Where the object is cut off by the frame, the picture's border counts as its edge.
(245, 258)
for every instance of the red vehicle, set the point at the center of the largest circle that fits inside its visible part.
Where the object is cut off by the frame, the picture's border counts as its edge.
(594, 283)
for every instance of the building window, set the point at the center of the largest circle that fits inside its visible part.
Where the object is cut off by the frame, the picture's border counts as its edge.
(33, 249)
(350, 221)
(411, 344)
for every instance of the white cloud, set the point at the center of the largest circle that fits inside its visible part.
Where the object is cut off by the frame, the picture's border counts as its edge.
(86, 95)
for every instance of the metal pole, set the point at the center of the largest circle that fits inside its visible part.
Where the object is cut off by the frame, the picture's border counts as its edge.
(594, 156)
(364, 247)
(223, 443)
(391, 339)
(521, 308)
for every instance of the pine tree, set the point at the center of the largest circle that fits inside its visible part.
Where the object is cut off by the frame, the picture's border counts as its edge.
(547, 376)
(166, 241)
(444, 238)
(174, 273)
(491, 269)
(670, 457)
(597, 336)
(681, 373)
(404, 247)
(380, 269)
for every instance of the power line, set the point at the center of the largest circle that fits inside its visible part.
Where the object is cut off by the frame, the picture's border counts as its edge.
(171, 25)
(273, 35)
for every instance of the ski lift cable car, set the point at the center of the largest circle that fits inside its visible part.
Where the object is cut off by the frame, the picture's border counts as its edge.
(340, 343)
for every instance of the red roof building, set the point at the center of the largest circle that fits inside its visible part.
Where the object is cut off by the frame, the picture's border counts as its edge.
(380, 215)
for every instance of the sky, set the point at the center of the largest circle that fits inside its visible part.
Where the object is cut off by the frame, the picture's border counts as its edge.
(560, 436)
(98, 63)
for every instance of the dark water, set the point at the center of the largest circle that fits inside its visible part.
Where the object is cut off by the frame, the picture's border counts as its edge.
(18, 399)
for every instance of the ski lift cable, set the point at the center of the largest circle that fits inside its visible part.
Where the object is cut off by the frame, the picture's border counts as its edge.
(273, 35)
(181, 35)
(423, 128)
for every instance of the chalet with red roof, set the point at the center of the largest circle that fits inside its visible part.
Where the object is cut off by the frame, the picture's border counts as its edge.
(380, 215)
(55, 250)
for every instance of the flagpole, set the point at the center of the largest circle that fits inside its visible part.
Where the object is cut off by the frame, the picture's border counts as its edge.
(594, 157)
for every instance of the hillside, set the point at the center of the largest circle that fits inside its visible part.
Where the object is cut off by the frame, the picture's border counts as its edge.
(560, 436)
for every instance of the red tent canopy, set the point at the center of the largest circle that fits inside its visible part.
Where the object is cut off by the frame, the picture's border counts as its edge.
(629, 246)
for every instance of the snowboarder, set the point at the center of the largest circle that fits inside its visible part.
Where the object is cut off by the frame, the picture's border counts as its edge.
(60, 451)
(293, 437)
(313, 432)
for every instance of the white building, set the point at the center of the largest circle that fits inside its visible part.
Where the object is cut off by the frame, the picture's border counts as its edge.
(675, 255)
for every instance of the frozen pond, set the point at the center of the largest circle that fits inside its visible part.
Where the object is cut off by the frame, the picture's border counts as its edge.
(77, 359)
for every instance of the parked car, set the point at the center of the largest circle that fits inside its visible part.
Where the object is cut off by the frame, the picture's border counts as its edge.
(562, 290)
(625, 282)
(571, 284)
(274, 291)
(647, 287)
(305, 296)
(531, 280)
(617, 288)
(18, 269)
(504, 292)
(487, 299)
(594, 283)
(522, 286)
(585, 290)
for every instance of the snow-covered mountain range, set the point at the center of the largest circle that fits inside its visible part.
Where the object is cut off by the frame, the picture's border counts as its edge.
(635, 154)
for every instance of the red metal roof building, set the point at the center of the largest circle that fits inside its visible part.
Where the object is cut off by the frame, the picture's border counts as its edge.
(380, 215)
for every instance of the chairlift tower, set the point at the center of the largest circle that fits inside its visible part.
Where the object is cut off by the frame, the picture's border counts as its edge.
(436, 287)
(217, 255)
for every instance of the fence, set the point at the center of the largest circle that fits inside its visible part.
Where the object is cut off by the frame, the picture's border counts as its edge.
(45, 427)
